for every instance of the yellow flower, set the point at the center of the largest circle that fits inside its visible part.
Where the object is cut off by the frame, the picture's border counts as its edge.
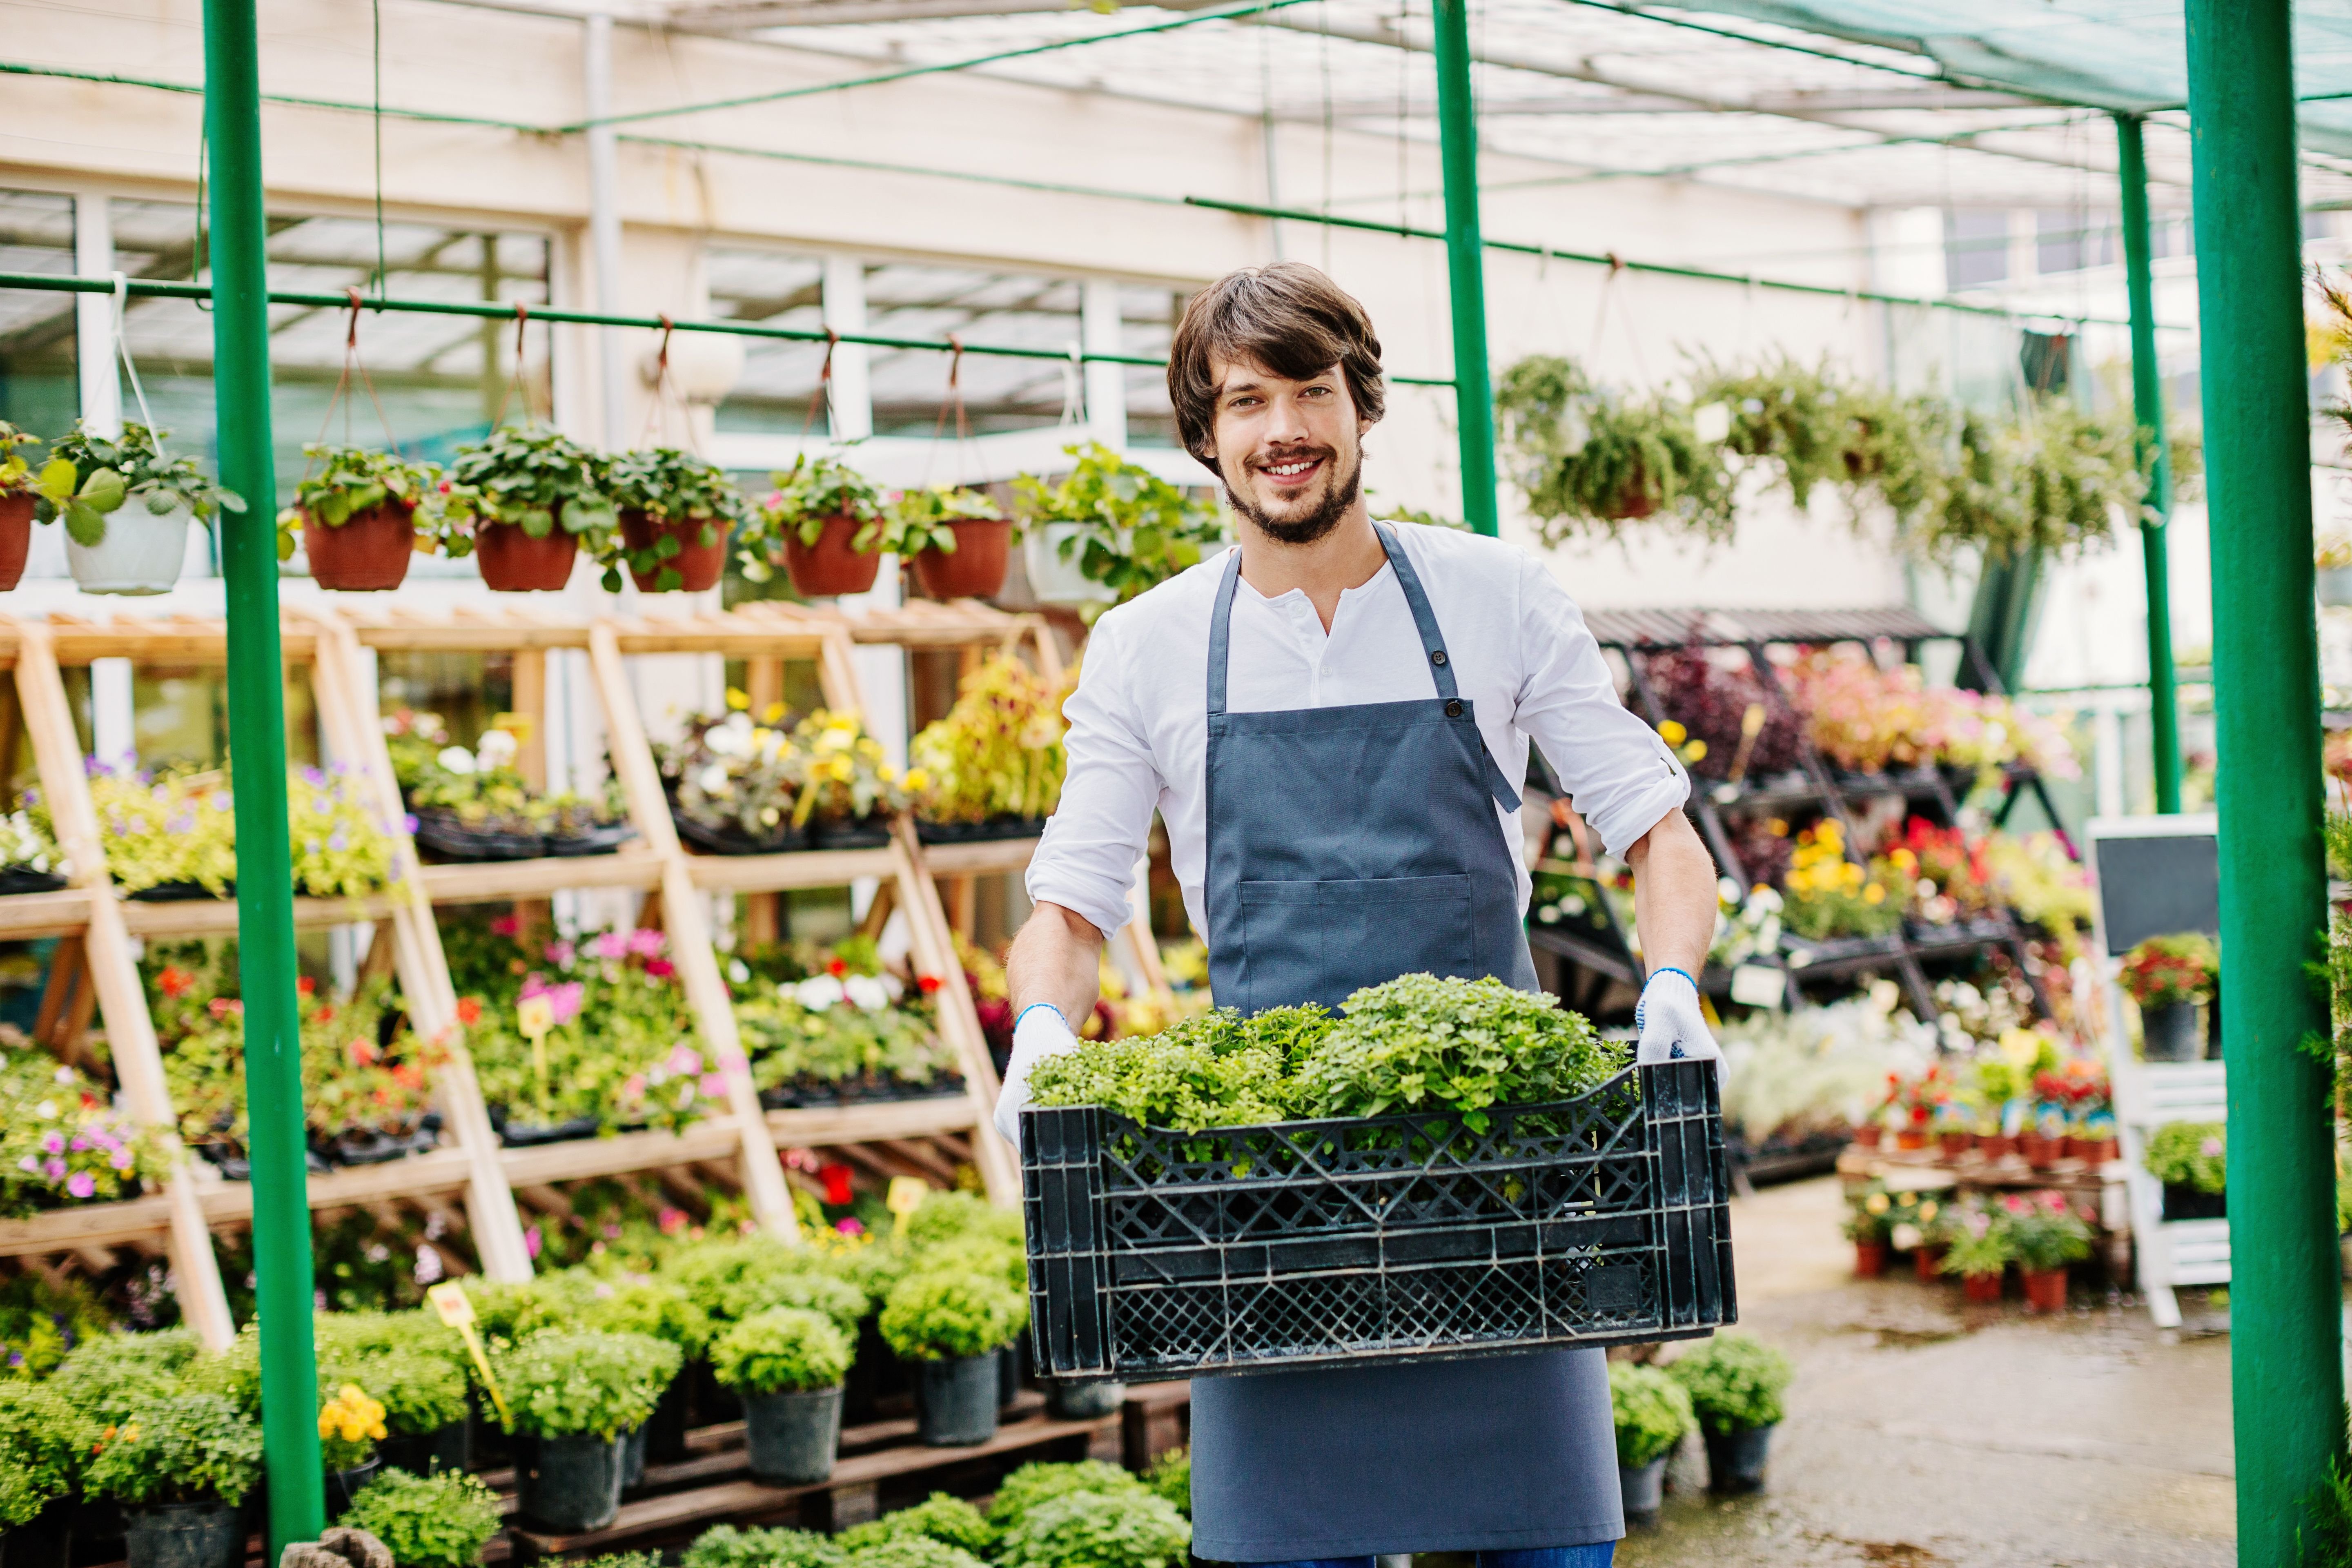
(773, 713)
(1672, 734)
(1695, 751)
(1927, 1210)
(327, 1422)
(917, 780)
(737, 700)
(1874, 894)
(1875, 1203)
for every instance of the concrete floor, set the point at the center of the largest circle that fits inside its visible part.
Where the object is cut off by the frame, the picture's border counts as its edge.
(1922, 1432)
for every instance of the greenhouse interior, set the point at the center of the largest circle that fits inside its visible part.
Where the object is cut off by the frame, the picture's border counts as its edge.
(705, 522)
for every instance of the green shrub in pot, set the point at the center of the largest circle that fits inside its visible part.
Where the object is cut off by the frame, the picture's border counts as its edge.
(2194, 1155)
(730, 1281)
(1119, 1528)
(912, 1552)
(1736, 1383)
(1120, 524)
(1171, 1477)
(1653, 1413)
(175, 1449)
(950, 1521)
(350, 481)
(103, 1378)
(88, 475)
(440, 1520)
(816, 490)
(782, 1350)
(663, 1309)
(587, 1383)
(42, 1443)
(949, 1316)
(536, 479)
(728, 1546)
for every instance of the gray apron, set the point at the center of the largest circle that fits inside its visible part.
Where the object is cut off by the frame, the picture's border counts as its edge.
(1347, 846)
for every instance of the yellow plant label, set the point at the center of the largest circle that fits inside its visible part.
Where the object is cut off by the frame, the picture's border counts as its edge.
(905, 1195)
(457, 1309)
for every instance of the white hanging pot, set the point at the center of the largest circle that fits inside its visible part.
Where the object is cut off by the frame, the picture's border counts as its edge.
(141, 554)
(2335, 583)
(1052, 580)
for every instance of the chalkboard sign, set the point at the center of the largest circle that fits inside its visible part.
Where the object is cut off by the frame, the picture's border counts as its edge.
(2158, 883)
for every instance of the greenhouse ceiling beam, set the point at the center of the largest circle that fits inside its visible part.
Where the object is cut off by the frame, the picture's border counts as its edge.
(60, 282)
(1661, 269)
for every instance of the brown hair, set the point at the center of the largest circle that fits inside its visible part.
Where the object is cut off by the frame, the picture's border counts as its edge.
(1289, 318)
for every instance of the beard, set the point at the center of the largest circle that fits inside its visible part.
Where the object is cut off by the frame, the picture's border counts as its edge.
(1339, 495)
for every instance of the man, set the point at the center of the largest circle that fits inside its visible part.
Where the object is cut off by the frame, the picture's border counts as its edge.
(1329, 718)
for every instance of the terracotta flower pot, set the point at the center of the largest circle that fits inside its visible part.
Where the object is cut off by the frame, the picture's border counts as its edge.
(1955, 1144)
(1926, 1262)
(1866, 1136)
(369, 553)
(1982, 1287)
(699, 565)
(2045, 1289)
(2093, 1152)
(1996, 1145)
(976, 570)
(16, 536)
(1907, 1139)
(2042, 1153)
(515, 562)
(1869, 1259)
(830, 567)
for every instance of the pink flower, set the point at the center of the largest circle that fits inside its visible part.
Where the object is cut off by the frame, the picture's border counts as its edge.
(848, 1227)
(660, 968)
(122, 1160)
(55, 1169)
(671, 1221)
(530, 1241)
(684, 1058)
(81, 1184)
(559, 954)
(611, 944)
(712, 1084)
(2016, 1204)
(646, 943)
(2210, 1148)
(635, 1089)
(53, 1143)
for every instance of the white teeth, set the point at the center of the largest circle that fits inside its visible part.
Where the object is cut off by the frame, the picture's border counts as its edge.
(1289, 468)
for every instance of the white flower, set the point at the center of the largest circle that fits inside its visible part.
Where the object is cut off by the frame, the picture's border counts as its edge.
(818, 992)
(496, 748)
(457, 759)
(46, 1110)
(870, 993)
(726, 741)
(713, 779)
(738, 972)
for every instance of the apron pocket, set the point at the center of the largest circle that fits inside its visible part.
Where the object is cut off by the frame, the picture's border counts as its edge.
(1321, 942)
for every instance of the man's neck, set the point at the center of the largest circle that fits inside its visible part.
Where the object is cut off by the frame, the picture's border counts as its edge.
(1347, 557)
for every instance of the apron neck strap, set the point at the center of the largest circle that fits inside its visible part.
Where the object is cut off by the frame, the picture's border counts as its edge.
(1424, 620)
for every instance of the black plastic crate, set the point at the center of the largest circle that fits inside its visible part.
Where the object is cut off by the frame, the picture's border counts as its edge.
(1155, 1254)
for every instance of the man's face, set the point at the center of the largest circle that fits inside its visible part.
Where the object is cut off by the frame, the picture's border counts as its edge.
(1291, 452)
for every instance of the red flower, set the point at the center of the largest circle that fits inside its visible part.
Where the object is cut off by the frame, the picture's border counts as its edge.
(408, 1075)
(176, 982)
(304, 985)
(660, 968)
(325, 1015)
(362, 1053)
(927, 983)
(836, 1184)
(470, 1011)
(837, 968)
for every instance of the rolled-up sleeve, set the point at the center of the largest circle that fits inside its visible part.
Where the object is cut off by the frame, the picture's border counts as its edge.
(1097, 833)
(1619, 774)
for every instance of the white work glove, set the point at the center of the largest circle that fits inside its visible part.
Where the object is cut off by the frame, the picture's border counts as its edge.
(1673, 1025)
(1040, 1032)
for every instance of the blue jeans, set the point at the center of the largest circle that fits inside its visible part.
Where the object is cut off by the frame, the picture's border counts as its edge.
(1599, 1555)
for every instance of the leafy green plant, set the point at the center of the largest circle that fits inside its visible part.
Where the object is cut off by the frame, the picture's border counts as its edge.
(1653, 1412)
(42, 1440)
(782, 1350)
(342, 482)
(559, 1383)
(1736, 1383)
(43, 1321)
(731, 1281)
(944, 1218)
(947, 1317)
(579, 1298)
(854, 1036)
(1036, 1484)
(103, 1377)
(728, 1546)
(1121, 1529)
(1977, 1240)
(26, 844)
(1171, 1479)
(670, 487)
(998, 751)
(1588, 461)
(1418, 1042)
(534, 478)
(2190, 1154)
(482, 787)
(177, 1448)
(16, 473)
(1214, 1069)
(440, 1520)
(811, 493)
(422, 1391)
(88, 477)
(2054, 478)
(914, 521)
(180, 827)
(948, 1520)
(1786, 414)
(912, 1552)
(1134, 530)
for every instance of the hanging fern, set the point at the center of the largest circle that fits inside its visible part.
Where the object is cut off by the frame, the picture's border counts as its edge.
(1588, 462)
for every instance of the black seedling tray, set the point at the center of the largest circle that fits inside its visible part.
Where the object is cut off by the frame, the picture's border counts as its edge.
(1155, 1254)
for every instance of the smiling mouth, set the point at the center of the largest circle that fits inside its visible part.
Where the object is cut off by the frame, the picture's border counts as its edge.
(1291, 470)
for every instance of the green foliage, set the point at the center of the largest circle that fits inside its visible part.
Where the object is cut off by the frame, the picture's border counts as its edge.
(1736, 1383)
(943, 1217)
(729, 1547)
(559, 1383)
(88, 477)
(1589, 461)
(998, 752)
(2045, 1230)
(811, 493)
(947, 1317)
(422, 1391)
(1034, 1484)
(178, 1447)
(1653, 1412)
(16, 473)
(533, 476)
(440, 1520)
(2053, 479)
(670, 486)
(1977, 1239)
(182, 827)
(1134, 530)
(43, 1438)
(22, 1497)
(793, 1043)
(914, 521)
(1127, 1528)
(912, 1552)
(624, 1559)
(732, 1279)
(948, 1520)
(665, 1309)
(1213, 1069)
(1172, 1480)
(41, 1319)
(339, 483)
(104, 1377)
(2190, 1154)
(784, 1348)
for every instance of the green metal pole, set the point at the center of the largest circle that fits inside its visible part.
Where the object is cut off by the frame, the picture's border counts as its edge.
(2286, 1376)
(256, 727)
(2147, 409)
(1466, 262)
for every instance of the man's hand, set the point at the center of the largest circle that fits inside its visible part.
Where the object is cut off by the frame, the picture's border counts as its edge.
(1672, 1023)
(1053, 974)
(1040, 1033)
(1675, 909)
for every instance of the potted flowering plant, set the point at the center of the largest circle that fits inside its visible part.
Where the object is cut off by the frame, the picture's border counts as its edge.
(572, 1398)
(62, 1141)
(533, 499)
(1980, 1246)
(957, 541)
(786, 1364)
(848, 787)
(992, 768)
(44, 1440)
(173, 836)
(847, 1033)
(1996, 1083)
(350, 1426)
(2192, 1160)
(428, 1522)
(2169, 976)
(111, 548)
(179, 1463)
(1916, 1103)
(31, 860)
(676, 511)
(734, 785)
(825, 518)
(17, 498)
(1867, 1221)
(1653, 1415)
(1109, 530)
(1744, 735)
(952, 1325)
(1735, 1386)
(1833, 905)
(357, 510)
(477, 805)
(2048, 1235)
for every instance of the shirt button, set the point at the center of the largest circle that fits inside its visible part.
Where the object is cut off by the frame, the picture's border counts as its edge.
(1438, 658)
(1453, 710)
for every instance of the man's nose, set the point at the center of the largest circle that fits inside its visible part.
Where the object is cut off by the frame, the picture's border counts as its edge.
(1286, 422)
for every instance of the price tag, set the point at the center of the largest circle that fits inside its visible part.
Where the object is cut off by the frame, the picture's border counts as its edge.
(905, 1197)
(534, 1015)
(457, 1309)
(519, 725)
(1758, 985)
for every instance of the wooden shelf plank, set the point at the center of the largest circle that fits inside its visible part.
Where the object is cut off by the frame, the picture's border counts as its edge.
(867, 1123)
(87, 1224)
(217, 917)
(27, 915)
(796, 869)
(482, 880)
(715, 1139)
(980, 859)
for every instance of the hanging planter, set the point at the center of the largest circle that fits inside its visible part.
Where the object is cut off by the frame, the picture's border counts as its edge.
(1055, 579)
(368, 552)
(358, 511)
(823, 523)
(1589, 460)
(687, 555)
(1125, 530)
(16, 502)
(676, 511)
(515, 560)
(831, 565)
(957, 541)
(534, 501)
(113, 547)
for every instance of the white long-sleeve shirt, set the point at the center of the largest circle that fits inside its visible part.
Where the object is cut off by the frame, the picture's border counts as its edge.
(1516, 642)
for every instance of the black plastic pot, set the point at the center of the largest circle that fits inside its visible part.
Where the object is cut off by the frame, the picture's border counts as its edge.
(2182, 1201)
(2169, 1033)
(632, 1460)
(524, 1135)
(988, 830)
(604, 838)
(877, 1377)
(569, 1483)
(442, 832)
(25, 880)
(44, 1540)
(1084, 1401)
(792, 1435)
(183, 1535)
(181, 893)
(448, 1448)
(956, 1401)
(713, 1400)
(98, 1526)
(342, 1486)
(867, 832)
(1643, 1489)
(1008, 1374)
(665, 1428)
(1735, 1460)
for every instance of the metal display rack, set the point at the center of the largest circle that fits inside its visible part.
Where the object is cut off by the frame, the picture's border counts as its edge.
(96, 978)
(1602, 947)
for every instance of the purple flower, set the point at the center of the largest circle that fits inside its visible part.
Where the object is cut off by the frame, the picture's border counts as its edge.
(314, 777)
(53, 1143)
(340, 841)
(81, 1184)
(122, 1160)
(55, 1169)
(408, 821)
